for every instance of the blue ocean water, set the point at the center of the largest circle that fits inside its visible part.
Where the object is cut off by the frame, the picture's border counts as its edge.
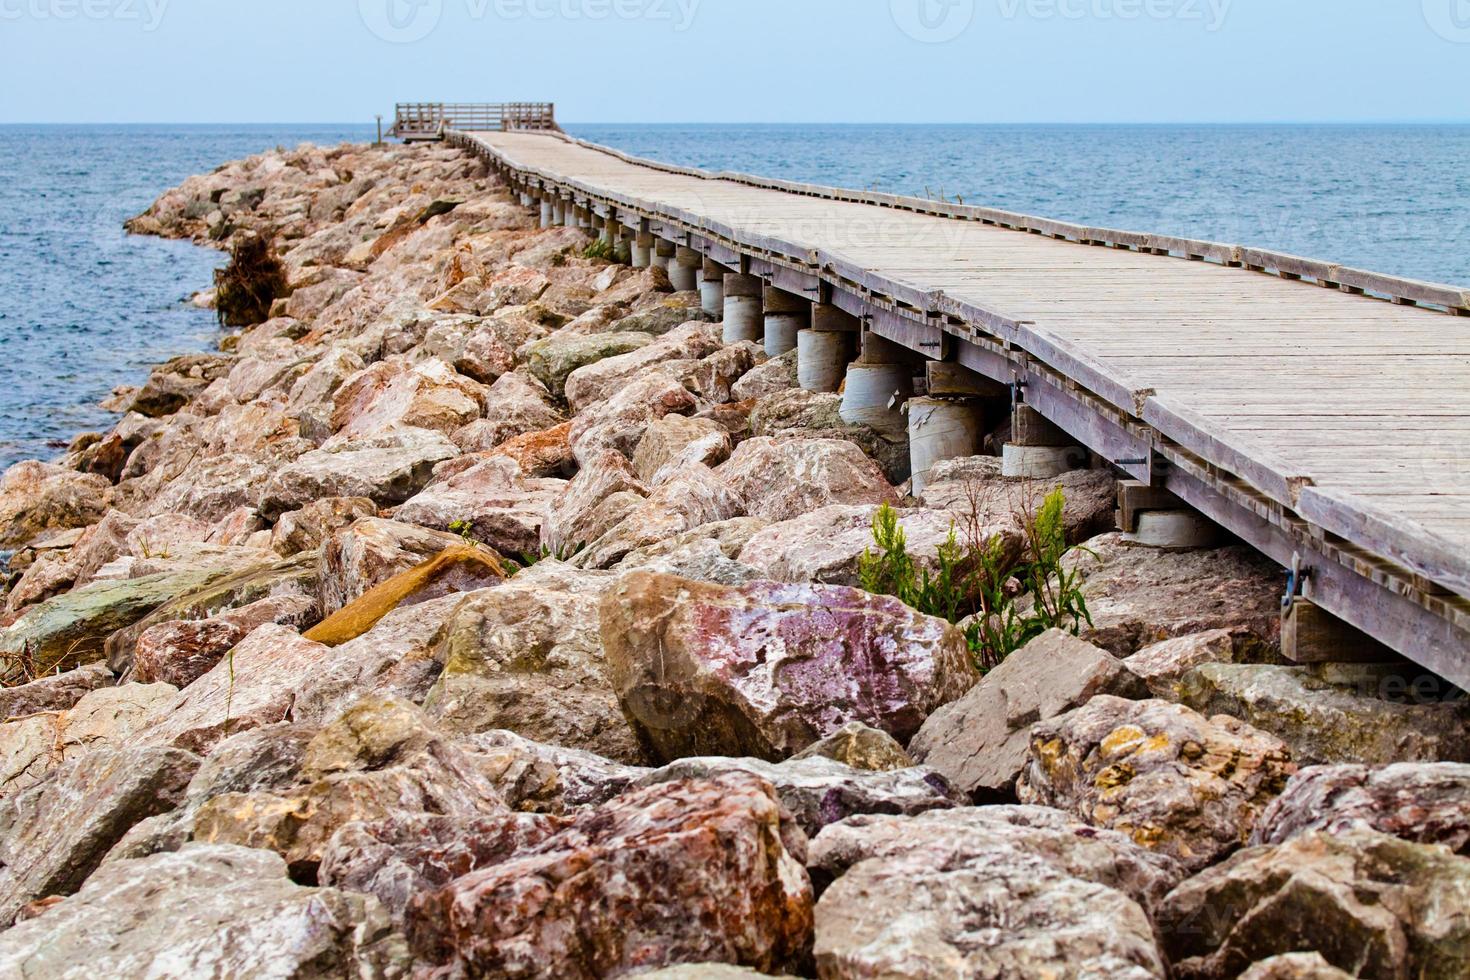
(84, 307)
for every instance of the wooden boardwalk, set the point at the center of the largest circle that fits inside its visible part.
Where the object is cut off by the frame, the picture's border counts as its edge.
(1311, 409)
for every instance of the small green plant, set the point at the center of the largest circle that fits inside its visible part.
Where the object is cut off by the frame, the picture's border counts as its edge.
(565, 553)
(465, 530)
(599, 248)
(984, 579)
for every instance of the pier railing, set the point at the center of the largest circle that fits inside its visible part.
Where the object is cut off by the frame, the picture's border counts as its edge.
(430, 120)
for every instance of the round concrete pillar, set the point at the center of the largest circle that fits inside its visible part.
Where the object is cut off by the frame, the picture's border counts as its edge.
(1040, 462)
(663, 256)
(642, 250)
(558, 212)
(742, 308)
(821, 359)
(874, 394)
(547, 213)
(684, 271)
(942, 429)
(786, 316)
(1174, 529)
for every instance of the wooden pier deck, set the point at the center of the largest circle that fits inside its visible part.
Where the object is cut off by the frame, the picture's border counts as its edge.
(1312, 410)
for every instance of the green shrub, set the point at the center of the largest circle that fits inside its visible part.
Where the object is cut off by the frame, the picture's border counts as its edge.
(983, 579)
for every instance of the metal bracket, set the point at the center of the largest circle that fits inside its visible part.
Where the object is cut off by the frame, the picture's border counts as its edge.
(1296, 580)
(1018, 388)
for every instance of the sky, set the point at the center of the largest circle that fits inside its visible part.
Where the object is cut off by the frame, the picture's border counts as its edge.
(960, 61)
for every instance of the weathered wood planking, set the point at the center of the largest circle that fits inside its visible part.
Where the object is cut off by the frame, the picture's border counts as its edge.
(1309, 406)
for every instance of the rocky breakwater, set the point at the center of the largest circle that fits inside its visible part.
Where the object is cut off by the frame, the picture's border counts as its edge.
(479, 613)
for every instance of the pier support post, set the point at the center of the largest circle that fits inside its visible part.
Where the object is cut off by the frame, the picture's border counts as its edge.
(940, 429)
(684, 272)
(712, 287)
(785, 316)
(558, 212)
(1155, 518)
(878, 384)
(1312, 635)
(547, 213)
(742, 311)
(824, 349)
(1039, 450)
(663, 256)
(642, 250)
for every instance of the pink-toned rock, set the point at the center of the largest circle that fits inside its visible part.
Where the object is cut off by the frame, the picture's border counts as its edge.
(765, 670)
(675, 440)
(545, 453)
(601, 380)
(491, 501)
(514, 405)
(39, 497)
(702, 871)
(688, 497)
(256, 686)
(785, 478)
(182, 651)
(619, 422)
(603, 492)
(714, 378)
(369, 552)
(387, 469)
(392, 394)
(306, 529)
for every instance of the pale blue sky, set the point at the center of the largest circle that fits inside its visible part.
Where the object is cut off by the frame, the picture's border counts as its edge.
(740, 60)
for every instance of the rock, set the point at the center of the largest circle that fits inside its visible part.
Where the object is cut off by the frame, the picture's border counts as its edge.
(800, 414)
(678, 651)
(713, 379)
(676, 872)
(491, 502)
(32, 746)
(528, 657)
(387, 469)
(702, 560)
(546, 453)
(1141, 596)
(689, 497)
(818, 792)
(398, 858)
(1295, 966)
(979, 743)
(660, 319)
(1370, 904)
(585, 779)
(174, 384)
(381, 760)
(975, 483)
(179, 653)
(306, 529)
(776, 375)
(1427, 803)
(1328, 724)
(550, 361)
(993, 835)
(392, 395)
(1164, 666)
(599, 381)
(784, 479)
(256, 685)
(996, 914)
(515, 404)
(371, 551)
(54, 834)
(827, 545)
(729, 536)
(598, 498)
(39, 497)
(56, 692)
(620, 422)
(1171, 779)
(861, 747)
(206, 911)
(72, 629)
(675, 440)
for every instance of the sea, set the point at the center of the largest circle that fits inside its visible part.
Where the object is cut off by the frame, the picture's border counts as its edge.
(85, 307)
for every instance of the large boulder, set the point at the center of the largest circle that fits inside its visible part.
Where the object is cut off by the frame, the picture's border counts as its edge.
(687, 498)
(53, 835)
(1428, 803)
(781, 479)
(604, 491)
(766, 669)
(601, 380)
(55, 692)
(39, 497)
(387, 469)
(976, 484)
(620, 422)
(861, 747)
(528, 657)
(818, 792)
(980, 742)
(708, 871)
(939, 912)
(206, 911)
(827, 545)
(1370, 904)
(675, 440)
(371, 551)
(392, 395)
(1164, 665)
(1170, 778)
(514, 405)
(492, 502)
(306, 529)
(1139, 596)
(1328, 723)
(552, 360)
(182, 651)
(807, 414)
